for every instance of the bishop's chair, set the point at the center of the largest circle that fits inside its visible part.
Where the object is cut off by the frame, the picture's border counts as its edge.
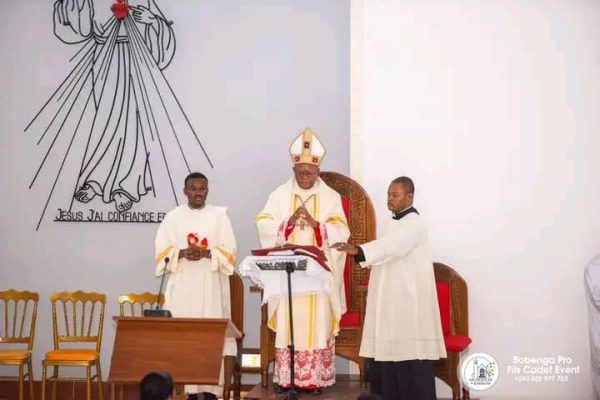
(361, 221)
(17, 327)
(77, 321)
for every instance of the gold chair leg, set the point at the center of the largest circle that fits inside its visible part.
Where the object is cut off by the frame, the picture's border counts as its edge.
(121, 391)
(99, 379)
(88, 378)
(112, 391)
(43, 380)
(54, 382)
(30, 376)
(21, 381)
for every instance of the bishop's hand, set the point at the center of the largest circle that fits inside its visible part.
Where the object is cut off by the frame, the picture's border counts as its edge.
(297, 215)
(308, 218)
(302, 214)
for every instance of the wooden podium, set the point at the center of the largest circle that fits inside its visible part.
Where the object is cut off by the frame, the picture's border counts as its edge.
(190, 349)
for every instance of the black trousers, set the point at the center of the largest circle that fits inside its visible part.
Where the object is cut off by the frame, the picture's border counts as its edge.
(402, 380)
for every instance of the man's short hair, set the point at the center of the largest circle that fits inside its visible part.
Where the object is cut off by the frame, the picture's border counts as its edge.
(156, 385)
(409, 186)
(194, 175)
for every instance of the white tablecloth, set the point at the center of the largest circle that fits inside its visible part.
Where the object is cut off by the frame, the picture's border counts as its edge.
(274, 283)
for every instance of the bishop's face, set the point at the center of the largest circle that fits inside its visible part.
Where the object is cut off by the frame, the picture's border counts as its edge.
(196, 191)
(398, 199)
(306, 175)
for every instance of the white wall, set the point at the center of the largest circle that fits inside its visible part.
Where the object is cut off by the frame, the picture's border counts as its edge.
(250, 75)
(492, 108)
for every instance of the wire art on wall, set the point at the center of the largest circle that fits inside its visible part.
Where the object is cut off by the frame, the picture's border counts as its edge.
(115, 120)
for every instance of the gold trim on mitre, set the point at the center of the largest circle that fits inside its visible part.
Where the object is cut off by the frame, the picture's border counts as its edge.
(307, 149)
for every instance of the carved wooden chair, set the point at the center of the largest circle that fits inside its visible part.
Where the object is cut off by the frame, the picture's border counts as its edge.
(17, 325)
(454, 312)
(77, 319)
(361, 219)
(233, 365)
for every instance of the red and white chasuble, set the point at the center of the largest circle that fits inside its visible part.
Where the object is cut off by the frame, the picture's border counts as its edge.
(316, 315)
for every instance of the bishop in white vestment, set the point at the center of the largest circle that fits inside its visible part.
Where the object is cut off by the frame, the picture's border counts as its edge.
(197, 244)
(305, 211)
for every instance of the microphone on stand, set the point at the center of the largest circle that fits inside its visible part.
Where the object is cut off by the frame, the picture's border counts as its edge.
(158, 311)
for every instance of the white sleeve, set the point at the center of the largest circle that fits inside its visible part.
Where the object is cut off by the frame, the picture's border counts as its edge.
(397, 242)
(223, 254)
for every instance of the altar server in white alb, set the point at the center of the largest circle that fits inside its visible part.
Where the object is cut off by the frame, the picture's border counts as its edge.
(305, 211)
(198, 241)
(402, 330)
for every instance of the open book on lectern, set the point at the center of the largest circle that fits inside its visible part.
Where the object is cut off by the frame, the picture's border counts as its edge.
(295, 250)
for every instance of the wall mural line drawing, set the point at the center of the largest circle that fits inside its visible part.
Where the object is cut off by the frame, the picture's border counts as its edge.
(115, 115)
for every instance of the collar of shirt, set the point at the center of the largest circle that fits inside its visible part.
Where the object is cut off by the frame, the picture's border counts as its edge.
(297, 189)
(196, 209)
(400, 214)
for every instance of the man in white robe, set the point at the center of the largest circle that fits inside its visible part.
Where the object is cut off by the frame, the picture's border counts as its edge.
(305, 211)
(402, 330)
(196, 242)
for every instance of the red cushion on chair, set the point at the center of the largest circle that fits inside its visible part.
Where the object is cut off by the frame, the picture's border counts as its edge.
(443, 294)
(350, 320)
(456, 342)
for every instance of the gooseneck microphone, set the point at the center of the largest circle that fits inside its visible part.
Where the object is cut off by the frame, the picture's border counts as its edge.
(158, 311)
(162, 281)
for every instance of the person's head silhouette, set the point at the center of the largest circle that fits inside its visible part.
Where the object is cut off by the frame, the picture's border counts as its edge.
(156, 385)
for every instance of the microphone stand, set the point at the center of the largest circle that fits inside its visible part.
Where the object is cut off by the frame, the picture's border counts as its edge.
(291, 394)
(158, 311)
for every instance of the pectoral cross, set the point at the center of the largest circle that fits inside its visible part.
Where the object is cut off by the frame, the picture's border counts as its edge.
(302, 222)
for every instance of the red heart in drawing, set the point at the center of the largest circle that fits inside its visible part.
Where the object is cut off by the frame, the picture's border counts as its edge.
(120, 9)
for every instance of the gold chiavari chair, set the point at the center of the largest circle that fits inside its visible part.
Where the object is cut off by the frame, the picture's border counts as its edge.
(134, 304)
(77, 318)
(17, 326)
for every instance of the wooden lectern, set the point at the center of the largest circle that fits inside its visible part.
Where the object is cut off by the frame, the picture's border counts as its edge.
(190, 349)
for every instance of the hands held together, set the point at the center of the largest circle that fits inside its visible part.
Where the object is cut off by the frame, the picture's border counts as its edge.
(194, 253)
(302, 213)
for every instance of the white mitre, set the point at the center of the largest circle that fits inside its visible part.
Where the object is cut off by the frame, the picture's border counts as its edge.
(307, 149)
